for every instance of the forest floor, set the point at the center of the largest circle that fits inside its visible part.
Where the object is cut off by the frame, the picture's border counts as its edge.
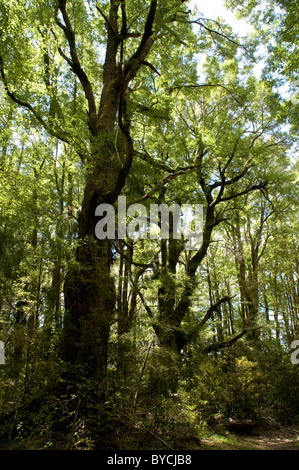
(279, 440)
(283, 439)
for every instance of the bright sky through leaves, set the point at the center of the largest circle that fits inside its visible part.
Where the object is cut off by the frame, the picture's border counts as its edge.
(215, 9)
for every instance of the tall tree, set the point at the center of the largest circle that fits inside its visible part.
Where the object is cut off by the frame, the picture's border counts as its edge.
(60, 52)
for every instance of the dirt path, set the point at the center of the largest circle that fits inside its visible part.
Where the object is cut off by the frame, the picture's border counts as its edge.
(286, 439)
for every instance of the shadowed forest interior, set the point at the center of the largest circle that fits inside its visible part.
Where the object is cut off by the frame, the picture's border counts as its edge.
(135, 343)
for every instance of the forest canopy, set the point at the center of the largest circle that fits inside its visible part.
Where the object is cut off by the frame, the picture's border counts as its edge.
(134, 342)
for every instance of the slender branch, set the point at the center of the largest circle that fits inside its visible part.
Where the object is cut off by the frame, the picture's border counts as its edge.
(263, 246)
(207, 316)
(141, 374)
(148, 64)
(75, 62)
(149, 431)
(224, 182)
(245, 191)
(124, 125)
(124, 27)
(213, 308)
(147, 158)
(106, 19)
(162, 182)
(137, 59)
(147, 308)
(59, 135)
(232, 155)
(225, 344)
(178, 87)
(213, 31)
(135, 263)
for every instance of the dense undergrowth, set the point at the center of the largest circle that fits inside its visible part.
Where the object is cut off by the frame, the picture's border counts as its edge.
(57, 413)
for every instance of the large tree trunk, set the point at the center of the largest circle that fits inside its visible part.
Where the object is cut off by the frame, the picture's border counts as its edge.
(89, 304)
(89, 288)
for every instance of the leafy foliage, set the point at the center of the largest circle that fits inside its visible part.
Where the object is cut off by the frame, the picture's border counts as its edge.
(137, 343)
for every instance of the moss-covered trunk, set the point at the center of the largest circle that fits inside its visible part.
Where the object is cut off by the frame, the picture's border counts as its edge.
(89, 288)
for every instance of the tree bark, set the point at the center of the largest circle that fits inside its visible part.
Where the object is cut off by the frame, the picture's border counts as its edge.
(89, 288)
